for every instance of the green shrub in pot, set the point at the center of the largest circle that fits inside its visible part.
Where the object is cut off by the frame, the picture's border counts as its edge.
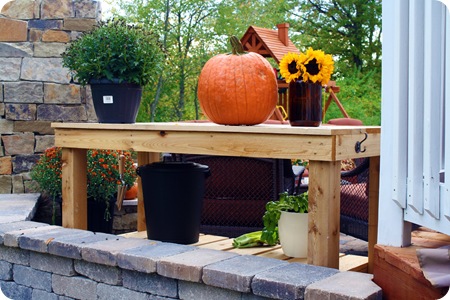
(115, 49)
(117, 60)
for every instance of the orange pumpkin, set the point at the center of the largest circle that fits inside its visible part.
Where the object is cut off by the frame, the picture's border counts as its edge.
(238, 88)
(132, 192)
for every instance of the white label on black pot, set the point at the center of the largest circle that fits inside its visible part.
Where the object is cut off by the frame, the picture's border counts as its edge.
(107, 99)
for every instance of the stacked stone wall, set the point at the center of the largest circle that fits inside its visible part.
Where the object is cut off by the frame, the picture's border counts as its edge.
(35, 90)
(38, 261)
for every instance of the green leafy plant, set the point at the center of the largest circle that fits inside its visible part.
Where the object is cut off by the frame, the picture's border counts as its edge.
(286, 202)
(269, 234)
(117, 51)
(102, 173)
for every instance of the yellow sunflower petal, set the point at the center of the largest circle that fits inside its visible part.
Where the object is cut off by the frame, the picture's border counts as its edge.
(324, 62)
(325, 66)
(284, 66)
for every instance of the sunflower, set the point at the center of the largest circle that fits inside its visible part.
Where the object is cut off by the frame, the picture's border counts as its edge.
(312, 66)
(289, 67)
(316, 66)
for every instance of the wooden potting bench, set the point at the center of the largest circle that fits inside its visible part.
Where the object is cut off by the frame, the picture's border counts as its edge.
(323, 146)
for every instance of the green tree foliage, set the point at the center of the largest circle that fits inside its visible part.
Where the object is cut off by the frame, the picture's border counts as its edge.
(349, 29)
(183, 29)
(361, 97)
(235, 16)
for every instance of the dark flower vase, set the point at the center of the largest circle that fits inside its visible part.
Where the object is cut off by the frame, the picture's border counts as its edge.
(96, 215)
(305, 104)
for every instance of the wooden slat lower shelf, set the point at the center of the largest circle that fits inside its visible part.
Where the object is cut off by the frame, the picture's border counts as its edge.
(346, 262)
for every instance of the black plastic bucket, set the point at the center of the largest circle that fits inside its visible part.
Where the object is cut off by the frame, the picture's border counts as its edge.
(173, 198)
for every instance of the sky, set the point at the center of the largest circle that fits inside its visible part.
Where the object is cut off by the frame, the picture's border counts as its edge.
(3, 2)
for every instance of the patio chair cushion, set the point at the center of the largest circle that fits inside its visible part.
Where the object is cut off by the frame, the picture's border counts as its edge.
(345, 121)
(354, 200)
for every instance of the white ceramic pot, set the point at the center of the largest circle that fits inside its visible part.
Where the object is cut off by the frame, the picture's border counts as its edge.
(293, 232)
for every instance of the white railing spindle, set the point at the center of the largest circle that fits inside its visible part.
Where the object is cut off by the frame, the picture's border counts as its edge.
(446, 194)
(415, 105)
(399, 105)
(432, 105)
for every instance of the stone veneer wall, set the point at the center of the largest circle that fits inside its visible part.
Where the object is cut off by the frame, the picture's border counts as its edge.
(35, 89)
(38, 261)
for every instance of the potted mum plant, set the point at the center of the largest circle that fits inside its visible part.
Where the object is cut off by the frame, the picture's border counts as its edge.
(117, 59)
(102, 181)
(47, 173)
(306, 74)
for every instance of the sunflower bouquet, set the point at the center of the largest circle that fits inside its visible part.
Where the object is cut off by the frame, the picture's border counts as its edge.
(312, 66)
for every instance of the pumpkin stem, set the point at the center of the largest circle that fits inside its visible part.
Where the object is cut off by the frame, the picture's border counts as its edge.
(236, 45)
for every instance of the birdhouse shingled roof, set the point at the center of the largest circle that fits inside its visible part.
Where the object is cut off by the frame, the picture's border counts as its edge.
(268, 42)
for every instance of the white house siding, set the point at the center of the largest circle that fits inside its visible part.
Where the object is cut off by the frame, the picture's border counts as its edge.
(416, 70)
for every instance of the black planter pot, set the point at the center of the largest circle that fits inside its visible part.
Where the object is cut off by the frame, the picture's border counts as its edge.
(97, 213)
(49, 210)
(57, 211)
(115, 102)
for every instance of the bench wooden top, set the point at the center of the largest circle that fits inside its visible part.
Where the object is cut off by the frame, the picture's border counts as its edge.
(325, 143)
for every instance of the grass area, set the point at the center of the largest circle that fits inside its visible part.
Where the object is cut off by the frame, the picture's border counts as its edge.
(361, 98)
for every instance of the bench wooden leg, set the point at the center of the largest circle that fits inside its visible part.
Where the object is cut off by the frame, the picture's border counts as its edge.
(324, 213)
(74, 188)
(374, 183)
